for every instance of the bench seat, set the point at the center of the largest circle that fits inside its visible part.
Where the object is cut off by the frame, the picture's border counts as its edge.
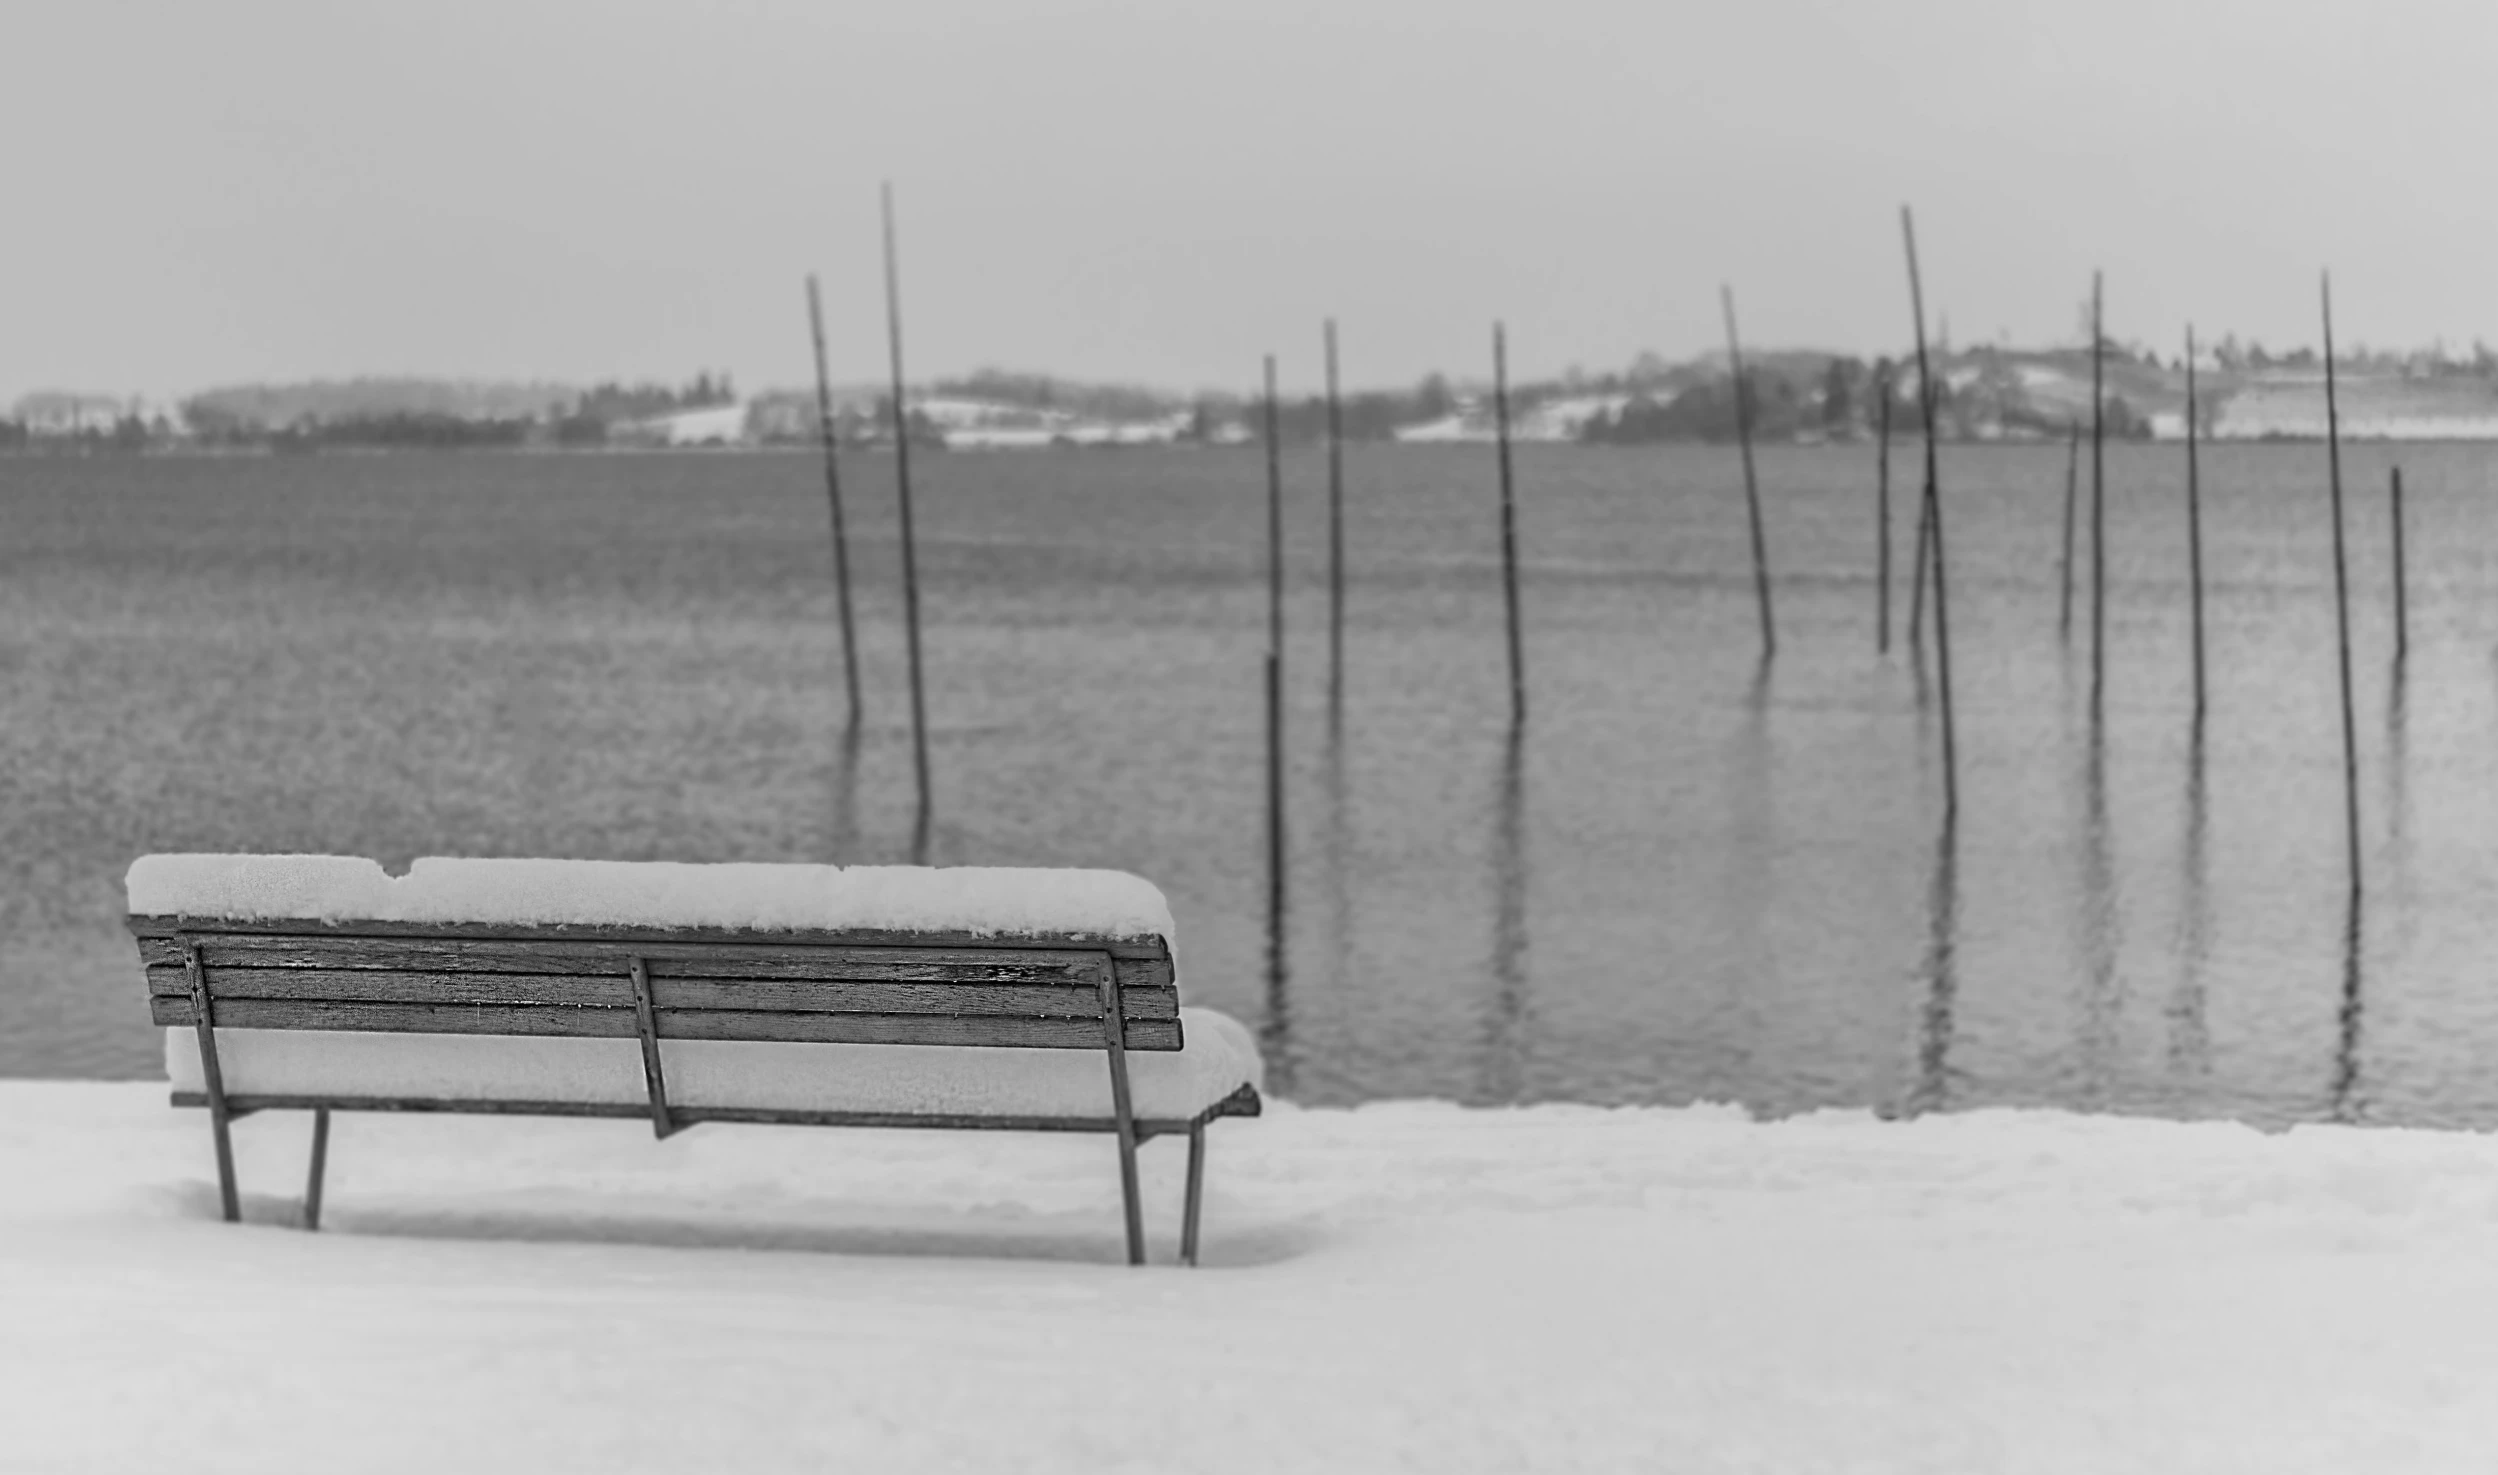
(915, 1080)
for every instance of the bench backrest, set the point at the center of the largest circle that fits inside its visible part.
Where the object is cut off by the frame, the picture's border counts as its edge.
(1047, 991)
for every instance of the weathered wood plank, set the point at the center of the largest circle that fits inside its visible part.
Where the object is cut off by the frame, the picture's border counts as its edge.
(406, 1018)
(1122, 947)
(1145, 972)
(909, 1029)
(453, 955)
(674, 1024)
(912, 998)
(375, 986)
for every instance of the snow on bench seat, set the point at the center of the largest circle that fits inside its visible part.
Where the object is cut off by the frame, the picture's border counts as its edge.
(915, 1080)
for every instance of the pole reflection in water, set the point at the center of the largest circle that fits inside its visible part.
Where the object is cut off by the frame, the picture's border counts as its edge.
(2398, 789)
(1339, 870)
(920, 829)
(1275, 1031)
(2101, 1000)
(2190, 1041)
(1504, 1025)
(2348, 1106)
(1275, 1035)
(846, 794)
(1932, 1091)
(1747, 871)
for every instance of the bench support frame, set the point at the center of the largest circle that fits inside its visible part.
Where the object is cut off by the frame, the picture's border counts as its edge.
(654, 1079)
(1244, 1102)
(1114, 1035)
(220, 1115)
(667, 1119)
(320, 1165)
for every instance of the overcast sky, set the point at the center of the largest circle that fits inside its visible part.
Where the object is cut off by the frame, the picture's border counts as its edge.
(1160, 192)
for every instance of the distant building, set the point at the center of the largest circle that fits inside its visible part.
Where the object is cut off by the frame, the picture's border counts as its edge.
(969, 424)
(53, 412)
(712, 425)
(1550, 420)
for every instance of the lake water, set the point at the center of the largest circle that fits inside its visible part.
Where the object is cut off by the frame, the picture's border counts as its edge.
(1692, 878)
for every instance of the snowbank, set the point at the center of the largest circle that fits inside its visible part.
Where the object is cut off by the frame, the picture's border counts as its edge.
(983, 900)
(1395, 1287)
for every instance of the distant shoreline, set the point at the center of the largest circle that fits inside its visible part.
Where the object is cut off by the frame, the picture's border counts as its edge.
(2487, 437)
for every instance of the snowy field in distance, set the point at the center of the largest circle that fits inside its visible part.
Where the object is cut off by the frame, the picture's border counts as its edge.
(1394, 1287)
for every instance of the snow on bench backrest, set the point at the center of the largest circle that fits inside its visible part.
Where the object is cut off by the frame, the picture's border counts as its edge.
(975, 900)
(865, 954)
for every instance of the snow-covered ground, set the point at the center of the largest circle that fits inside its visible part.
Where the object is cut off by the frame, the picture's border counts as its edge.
(1396, 1287)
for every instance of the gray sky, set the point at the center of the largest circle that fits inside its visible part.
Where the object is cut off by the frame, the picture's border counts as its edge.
(263, 189)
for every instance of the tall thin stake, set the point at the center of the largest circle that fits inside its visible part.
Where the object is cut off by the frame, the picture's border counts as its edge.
(1509, 527)
(1751, 483)
(2402, 604)
(1882, 515)
(1274, 523)
(832, 494)
(910, 554)
(1335, 539)
(2341, 594)
(1917, 575)
(2098, 503)
(2194, 516)
(2072, 466)
(1934, 515)
(1275, 857)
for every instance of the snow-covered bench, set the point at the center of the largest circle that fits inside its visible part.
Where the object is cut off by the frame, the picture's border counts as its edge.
(864, 996)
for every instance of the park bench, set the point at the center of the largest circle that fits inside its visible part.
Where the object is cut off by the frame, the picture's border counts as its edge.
(687, 994)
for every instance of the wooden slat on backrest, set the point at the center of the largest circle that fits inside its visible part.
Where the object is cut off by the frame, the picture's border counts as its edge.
(880, 988)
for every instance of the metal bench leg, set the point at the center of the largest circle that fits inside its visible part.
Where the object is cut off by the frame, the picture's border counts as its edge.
(228, 1195)
(646, 1020)
(1122, 1107)
(203, 1016)
(320, 1161)
(1196, 1192)
(1135, 1205)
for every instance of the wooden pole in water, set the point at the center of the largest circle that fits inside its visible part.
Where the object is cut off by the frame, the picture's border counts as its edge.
(832, 493)
(2098, 502)
(1882, 517)
(2072, 469)
(1934, 516)
(1274, 523)
(2341, 594)
(1917, 570)
(1751, 483)
(2194, 516)
(910, 555)
(2402, 608)
(1509, 527)
(1335, 538)
(1275, 858)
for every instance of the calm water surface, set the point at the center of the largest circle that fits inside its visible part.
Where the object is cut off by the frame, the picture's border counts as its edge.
(1692, 878)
